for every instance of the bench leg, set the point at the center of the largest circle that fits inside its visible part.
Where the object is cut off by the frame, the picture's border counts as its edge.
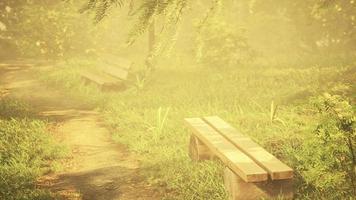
(238, 189)
(198, 151)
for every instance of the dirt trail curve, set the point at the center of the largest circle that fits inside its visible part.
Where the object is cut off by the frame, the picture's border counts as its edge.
(98, 169)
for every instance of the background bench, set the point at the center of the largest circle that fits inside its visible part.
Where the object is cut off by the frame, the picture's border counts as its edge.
(111, 74)
(251, 172)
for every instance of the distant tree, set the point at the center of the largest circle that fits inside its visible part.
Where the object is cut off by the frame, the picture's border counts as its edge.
(41, 28)
(320, 24)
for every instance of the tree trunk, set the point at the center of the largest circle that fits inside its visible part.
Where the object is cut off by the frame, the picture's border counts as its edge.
(151, 45)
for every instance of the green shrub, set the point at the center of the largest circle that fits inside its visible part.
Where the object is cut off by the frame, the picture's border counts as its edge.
(326, 160)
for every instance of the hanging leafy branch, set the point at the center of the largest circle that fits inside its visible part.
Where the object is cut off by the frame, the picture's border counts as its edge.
(144, 12)
(101, 7)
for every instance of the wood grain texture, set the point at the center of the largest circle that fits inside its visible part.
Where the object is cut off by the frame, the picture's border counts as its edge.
(104, 81)
(198, 151)
(116, 72)
(275, 168)
(116, 61)
(98, 78)
(235, 159)
(123, 63)
(238, 189)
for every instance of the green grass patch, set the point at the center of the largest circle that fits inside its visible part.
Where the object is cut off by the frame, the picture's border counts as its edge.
(268, 103)
(27, 151)
(13, 108)
(66, 77)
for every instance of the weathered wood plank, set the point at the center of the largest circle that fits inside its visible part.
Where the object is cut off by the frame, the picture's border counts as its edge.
(116, 61)
(116, 72)
(98, 78)
(235, 159)
(238, 189)
(123, 63)
(198, 151)
(92, 78)
(275, 168)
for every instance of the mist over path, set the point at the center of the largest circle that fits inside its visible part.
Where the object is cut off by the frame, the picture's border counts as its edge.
(98, 168)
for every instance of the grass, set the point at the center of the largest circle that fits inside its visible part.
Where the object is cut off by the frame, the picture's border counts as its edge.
(268, 103)
(27, 151)
(12, 108)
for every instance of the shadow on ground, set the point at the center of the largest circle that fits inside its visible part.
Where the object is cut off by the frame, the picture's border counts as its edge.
(101, 184)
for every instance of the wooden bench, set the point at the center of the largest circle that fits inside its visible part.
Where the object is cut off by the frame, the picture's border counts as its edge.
(117, 67)
(109, 75)
(102, 80)
(251, 172)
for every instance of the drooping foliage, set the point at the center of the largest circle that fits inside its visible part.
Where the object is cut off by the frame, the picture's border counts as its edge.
(101, 7)
(300, 28)
(54, 28)
(144, 12)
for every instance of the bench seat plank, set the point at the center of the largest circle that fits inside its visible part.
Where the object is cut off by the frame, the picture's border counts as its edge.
(275, 168)
(116, 72)
(123, 63)
(116, 61)
(98, 78)
(235, 159)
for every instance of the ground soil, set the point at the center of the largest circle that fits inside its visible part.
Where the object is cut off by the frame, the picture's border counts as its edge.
(97, 168)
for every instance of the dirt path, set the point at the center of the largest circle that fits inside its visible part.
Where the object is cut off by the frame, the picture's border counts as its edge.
(98, 169)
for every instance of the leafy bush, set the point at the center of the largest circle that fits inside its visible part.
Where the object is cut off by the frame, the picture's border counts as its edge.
(326, 160)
